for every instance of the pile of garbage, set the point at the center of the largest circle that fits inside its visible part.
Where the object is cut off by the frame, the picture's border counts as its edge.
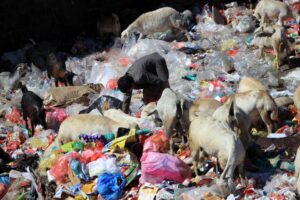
(134, 162)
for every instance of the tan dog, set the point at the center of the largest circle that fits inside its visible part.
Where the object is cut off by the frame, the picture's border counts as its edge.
(209, 136)
(297, 169)
(75, 125)
(243, 109)
(272, 9)
(204, 106)
(159, 20)
(249, 83)
(276, 40)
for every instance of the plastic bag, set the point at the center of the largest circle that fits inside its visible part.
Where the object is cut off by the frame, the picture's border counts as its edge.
(73, 109)
(60, 170)
(79, 169)
(102, 73)
(146, 47)
(54, 117)
(102, 165)
(158, 142)
(91, 154)
(157, 167)
(48, 162)
(15, 116)
(244, 24)
(220, 62)
(110, 186)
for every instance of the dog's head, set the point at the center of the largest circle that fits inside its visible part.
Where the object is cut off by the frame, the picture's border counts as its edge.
(186, 19)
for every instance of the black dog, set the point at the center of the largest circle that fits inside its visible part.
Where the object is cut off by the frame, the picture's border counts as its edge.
(32, 107)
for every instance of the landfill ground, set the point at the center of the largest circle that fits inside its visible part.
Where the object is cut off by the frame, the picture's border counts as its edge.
(135, 162)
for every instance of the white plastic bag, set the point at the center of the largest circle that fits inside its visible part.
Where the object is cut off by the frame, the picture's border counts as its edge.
(102, 165)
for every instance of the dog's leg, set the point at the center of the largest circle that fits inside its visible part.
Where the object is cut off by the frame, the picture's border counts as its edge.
(266, 119)
(195, 156)
(25, 119)
(242, 174)
(188, 35)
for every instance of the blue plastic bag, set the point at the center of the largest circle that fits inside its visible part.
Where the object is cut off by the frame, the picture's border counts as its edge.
(5, 180)
(110, 186)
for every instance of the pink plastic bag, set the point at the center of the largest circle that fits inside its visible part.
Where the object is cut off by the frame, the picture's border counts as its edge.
(157, 167)
(158, 142)
(54, 117)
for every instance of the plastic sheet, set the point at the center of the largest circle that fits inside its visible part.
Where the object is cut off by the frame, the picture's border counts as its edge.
(102, 73)
(147, 46)
(220, 62)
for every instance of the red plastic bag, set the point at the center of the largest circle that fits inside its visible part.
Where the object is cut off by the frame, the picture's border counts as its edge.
(157, 167)
(15, 116)
(125, 61)
(158, 142)
(112, 84)
(61, 169)
(54, 117)
(91, 154)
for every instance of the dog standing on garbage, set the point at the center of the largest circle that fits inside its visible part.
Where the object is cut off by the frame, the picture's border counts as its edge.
(33, 108)
(73, 126)
(159, 20)
(271, 9)
(276, 40)
(173, 109)
(228, 148)
(246, 108)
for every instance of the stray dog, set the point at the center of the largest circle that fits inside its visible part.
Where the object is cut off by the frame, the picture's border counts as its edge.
(57, 69)
(32, 107)
(209, 136)
(276, 40)
(246, 108)
(159, 20)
